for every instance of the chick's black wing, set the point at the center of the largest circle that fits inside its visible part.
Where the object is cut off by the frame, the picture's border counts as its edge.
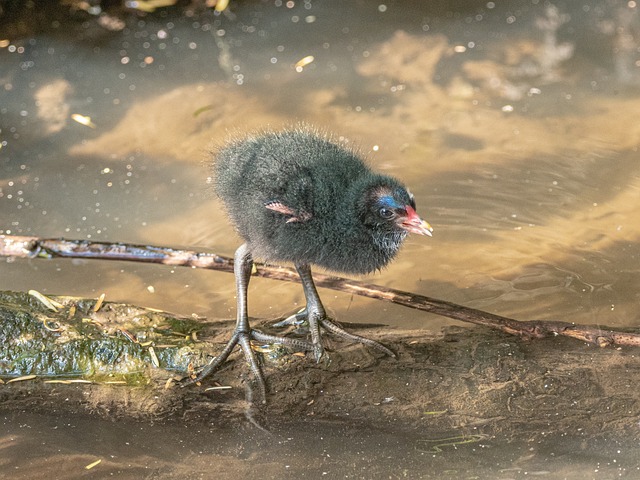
(294, 197)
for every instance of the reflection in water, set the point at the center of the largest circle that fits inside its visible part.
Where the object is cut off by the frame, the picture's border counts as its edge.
(514, 125)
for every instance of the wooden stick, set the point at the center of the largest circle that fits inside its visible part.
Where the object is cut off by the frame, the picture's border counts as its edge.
(34, 247)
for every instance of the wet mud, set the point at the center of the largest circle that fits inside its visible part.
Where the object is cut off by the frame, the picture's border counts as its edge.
(473, 381)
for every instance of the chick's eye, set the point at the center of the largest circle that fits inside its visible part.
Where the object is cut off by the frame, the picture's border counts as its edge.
(385, 213)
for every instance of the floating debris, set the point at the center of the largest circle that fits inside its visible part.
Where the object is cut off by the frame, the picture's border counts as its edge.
(129, 335)
(83, 120)
(22, 379)
(221, 5)
(303, 62)
(93, 464)
(149, 6)
(154, 357)
(436, 445)
(92, 321)
(221, 387)
(99, 303)
(46, 301)
(57, 328)
(69, 382)
(202, 110)
(263, 348)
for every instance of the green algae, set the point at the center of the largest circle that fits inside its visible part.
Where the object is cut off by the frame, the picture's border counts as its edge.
(113, 342)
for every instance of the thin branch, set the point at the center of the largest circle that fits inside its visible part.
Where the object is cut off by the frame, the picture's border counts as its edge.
(34, 247)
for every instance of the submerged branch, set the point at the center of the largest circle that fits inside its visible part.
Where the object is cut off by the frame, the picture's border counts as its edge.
(34, 247)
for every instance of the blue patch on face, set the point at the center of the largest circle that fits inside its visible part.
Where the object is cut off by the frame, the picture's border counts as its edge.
(388, 201)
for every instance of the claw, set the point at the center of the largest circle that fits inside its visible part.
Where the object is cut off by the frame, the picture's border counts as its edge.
(296, 320)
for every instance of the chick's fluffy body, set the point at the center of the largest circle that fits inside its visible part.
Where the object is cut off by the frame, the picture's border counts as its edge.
(328, 189)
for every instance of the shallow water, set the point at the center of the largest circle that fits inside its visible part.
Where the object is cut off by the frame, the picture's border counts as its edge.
(515, 126)
(34, 444)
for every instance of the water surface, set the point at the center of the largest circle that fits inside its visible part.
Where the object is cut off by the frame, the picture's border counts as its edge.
(515, 125)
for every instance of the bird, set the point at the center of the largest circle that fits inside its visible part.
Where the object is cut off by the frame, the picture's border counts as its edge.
(298, 196)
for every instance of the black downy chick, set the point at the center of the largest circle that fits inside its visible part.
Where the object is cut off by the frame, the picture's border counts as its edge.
(294, 196)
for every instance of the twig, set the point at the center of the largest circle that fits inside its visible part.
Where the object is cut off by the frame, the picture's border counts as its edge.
(34, 247)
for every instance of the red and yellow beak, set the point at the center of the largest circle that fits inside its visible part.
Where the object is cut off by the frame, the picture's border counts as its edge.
(414, 224)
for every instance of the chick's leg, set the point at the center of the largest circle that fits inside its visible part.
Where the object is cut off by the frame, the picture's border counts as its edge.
(242, 264)
(243, 333)
(316, 316)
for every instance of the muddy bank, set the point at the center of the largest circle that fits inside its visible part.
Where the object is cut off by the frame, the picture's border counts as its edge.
(469, 380)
